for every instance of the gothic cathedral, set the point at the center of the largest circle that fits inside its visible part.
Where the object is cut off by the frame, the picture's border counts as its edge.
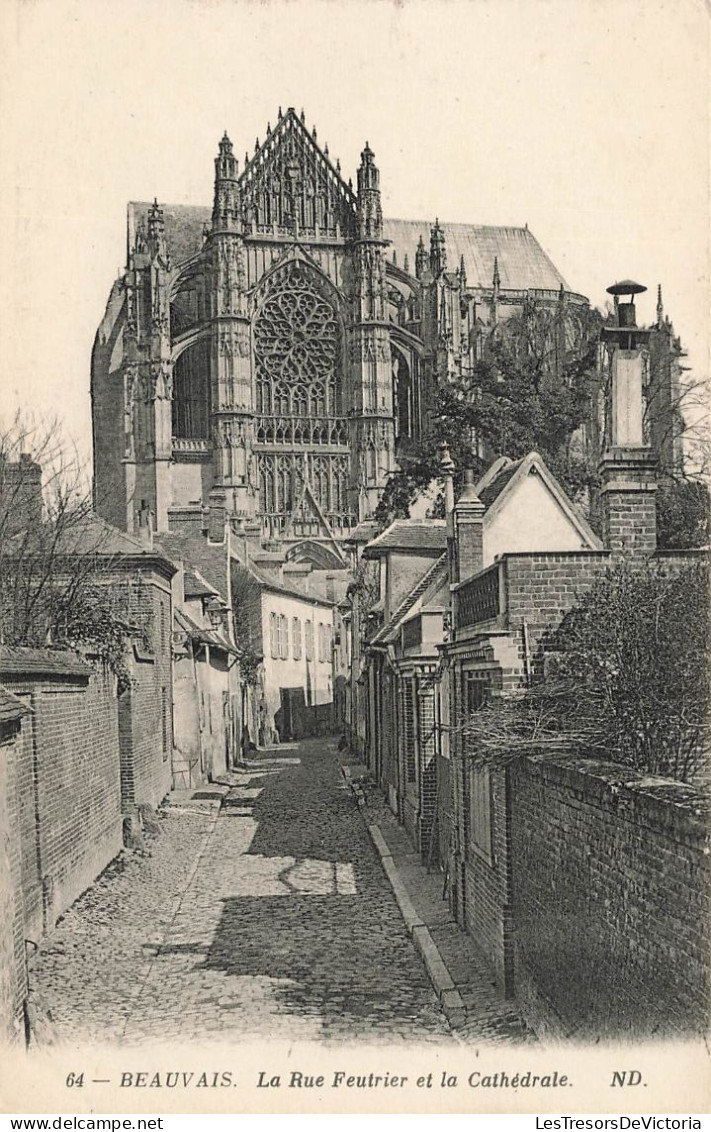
(264, 363)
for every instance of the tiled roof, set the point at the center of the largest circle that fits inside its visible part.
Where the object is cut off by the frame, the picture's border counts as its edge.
(212, 637)
(11, 707)
(364, 532)
(493, 490)
(195, 586)
(196, 553)
(291, 589)
(425, 535)
(17, 661)
(390, 631)
(523, 264)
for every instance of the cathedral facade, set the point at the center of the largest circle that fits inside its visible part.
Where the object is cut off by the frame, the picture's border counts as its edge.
(263, 362)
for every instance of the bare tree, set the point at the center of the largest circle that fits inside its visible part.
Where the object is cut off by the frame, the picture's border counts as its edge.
(54, 565)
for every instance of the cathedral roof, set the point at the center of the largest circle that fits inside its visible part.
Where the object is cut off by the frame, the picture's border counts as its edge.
(522, 262)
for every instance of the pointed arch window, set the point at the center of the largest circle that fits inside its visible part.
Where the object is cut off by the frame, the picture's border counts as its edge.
(191, 392)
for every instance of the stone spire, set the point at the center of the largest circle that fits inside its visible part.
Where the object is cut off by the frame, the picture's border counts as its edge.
(370, 212)
(226, 206)
(438, 251)
(660, 307)
(156, 233)
(420, 259)
(496, 281)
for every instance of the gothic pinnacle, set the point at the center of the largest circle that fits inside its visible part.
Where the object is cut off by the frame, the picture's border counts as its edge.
(279, 115)
(325, 150)
(660, 305)
(269, 129)
(302, 117)
(497, 277)
(314, 135)
(256, 145)
(406, 263)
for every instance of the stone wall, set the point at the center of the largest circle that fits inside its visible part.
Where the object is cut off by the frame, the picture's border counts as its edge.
(610, 879)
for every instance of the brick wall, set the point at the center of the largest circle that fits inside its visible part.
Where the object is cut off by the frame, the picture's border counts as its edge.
(541, 588)
(610, 878)
(629, 521)
(68, 784)
(487, 887)
(13, 968)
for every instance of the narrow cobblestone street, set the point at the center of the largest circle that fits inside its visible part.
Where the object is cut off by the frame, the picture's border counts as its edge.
(267, 917)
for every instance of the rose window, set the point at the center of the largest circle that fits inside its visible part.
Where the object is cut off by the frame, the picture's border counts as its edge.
(297, 350)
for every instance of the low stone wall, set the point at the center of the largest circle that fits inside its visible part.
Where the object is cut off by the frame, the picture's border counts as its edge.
(610, 875)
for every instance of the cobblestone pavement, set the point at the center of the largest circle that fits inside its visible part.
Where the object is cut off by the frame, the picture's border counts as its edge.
(270, 918)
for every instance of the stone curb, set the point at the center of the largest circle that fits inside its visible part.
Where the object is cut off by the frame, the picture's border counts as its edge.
(443, 983)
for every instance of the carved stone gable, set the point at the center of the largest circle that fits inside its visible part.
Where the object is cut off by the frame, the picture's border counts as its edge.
(290, 184)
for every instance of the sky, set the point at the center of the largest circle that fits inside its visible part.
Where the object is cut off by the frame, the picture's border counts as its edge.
(586, 119)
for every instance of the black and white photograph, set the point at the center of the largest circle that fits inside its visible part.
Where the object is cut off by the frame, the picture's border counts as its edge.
(354, 556)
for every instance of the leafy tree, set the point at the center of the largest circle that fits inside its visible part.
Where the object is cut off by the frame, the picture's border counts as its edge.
(683, 515)
(627, 680)
(530, 391)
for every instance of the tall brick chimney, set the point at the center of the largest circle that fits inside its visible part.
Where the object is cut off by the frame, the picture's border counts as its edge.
(469, 529)
(627, 468)
(20, 494)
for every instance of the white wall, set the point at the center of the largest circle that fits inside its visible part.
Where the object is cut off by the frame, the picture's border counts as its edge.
(314, 676)
(530, 519)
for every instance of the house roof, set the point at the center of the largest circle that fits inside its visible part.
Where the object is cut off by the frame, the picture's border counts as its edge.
(202, 635)
(11, 706)
(425, 535)
(196, 586)
(501, 478)
(210, 562)
(20, 661)
(523, 264)
(390, 630)
(492, 489)
(92, 535)
(291, 589)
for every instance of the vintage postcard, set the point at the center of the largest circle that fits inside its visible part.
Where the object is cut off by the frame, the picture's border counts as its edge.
(354, 697)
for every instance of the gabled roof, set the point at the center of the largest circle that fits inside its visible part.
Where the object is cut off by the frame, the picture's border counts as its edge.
(490, 489)
(196, 586)
(390, 631)
(427, 536)
(289, 589)
(198, 555)
(500, 480)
